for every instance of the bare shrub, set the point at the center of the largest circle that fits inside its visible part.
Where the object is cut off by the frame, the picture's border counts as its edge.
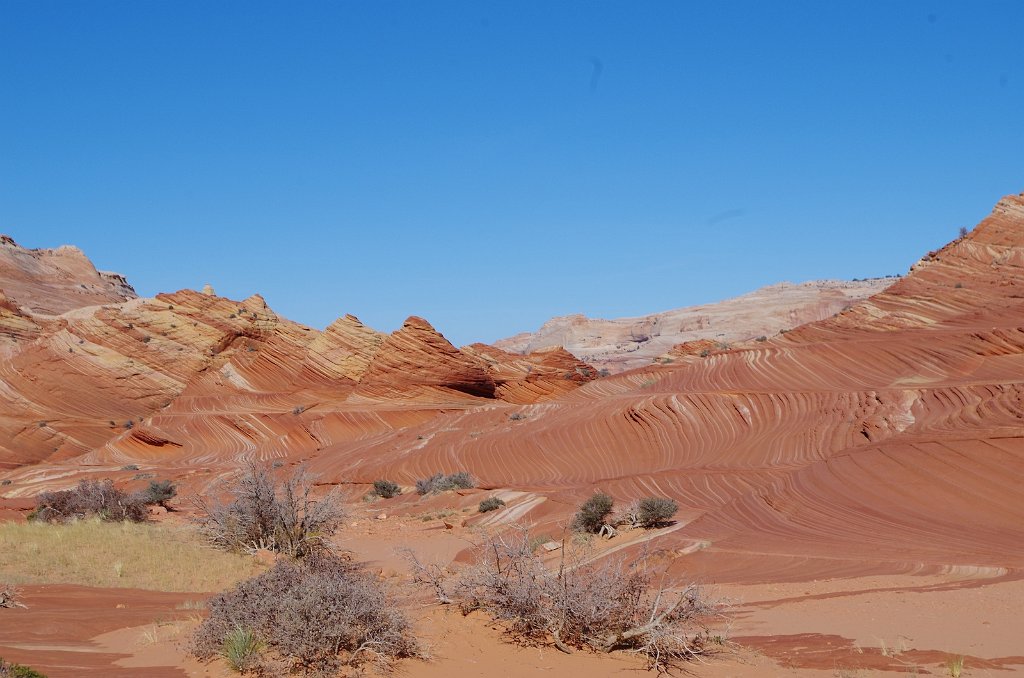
(592, 513)
(386, 489)
(606, 605)
(626, 515)
(10, 596)
(440, 482)
(316, 615)
(90, 497)
(270, 513)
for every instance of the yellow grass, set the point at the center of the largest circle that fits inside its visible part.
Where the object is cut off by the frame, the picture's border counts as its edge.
(117, 555)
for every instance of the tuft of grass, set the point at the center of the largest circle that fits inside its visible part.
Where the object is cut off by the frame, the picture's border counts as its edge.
(242, 649)
(117, 555)
(955, 667)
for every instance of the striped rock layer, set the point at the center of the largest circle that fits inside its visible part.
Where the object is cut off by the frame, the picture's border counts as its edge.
(888, 438)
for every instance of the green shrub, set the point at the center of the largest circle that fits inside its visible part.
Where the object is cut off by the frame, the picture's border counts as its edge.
(592, 513)
(386, 489)
(655, 511)
(491, 504)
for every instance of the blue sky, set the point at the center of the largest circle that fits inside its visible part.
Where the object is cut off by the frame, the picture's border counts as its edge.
(490, 165)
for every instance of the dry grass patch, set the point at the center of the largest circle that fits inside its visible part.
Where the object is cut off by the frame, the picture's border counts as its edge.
(117, 555)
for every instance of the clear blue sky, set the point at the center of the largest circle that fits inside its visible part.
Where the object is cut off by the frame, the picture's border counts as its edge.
(490, 165)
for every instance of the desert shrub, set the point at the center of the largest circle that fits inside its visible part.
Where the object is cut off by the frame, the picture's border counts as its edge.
(440, 482)
(606, 605)
(592, 513)
(269, 513)
(516, 416)
(130, 467)
(8, 670)
(655, 511)
(89, 497)
(242, 649)
(159, 492)
(315, 615)
(386, 489)
(10, 595)
(491, 504)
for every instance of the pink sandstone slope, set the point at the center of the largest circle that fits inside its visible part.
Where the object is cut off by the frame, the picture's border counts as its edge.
(626, 343)
(52, 281)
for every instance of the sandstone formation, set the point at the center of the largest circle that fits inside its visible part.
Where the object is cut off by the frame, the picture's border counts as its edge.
(52, 281)
(626, 343)
(190, 375)
(885, 439)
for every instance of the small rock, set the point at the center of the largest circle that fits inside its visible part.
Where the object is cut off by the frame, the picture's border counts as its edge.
(382, 516)
(448, 524)
(551, 545)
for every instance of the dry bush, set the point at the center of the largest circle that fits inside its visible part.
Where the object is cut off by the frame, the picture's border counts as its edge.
(157, 557)
(606, 605)
(316, 615)
(440, 482)
(90, 497)
(386, 489)
(490, 504)
(159, 493)
(10, 595)
(270, 513)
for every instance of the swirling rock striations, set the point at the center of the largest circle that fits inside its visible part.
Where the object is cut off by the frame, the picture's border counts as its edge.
(888, 438)
(417, 355)
(541, 375)
(191, 376)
